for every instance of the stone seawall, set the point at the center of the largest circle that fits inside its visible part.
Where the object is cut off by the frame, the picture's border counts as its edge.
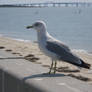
(19, 75)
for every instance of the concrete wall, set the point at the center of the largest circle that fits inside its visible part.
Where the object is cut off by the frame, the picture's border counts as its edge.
(19, 75)
(9, 83)
(1, 80)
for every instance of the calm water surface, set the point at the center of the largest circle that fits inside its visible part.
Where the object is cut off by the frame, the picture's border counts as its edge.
(71, 25)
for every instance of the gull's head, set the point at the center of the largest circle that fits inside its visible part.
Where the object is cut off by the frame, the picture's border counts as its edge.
(39, 26)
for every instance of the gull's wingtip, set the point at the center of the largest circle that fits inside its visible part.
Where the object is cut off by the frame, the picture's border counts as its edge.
(85, 65)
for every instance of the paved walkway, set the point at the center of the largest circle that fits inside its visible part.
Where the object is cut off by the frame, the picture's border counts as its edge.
(19, 75)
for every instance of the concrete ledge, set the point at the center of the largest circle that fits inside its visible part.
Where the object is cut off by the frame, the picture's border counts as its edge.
(12, 74)
(19, 75)
(1, 80)
(13, 84)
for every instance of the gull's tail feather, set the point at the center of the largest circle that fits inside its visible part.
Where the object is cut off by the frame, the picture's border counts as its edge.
(85, 65)
(82, 65)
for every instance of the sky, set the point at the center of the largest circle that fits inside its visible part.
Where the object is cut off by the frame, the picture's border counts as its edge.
(29, 1)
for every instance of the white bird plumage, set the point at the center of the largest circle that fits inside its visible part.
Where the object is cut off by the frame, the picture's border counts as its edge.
(55, 49)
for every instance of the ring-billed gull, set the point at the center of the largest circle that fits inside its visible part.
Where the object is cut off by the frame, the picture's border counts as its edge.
(55, 49)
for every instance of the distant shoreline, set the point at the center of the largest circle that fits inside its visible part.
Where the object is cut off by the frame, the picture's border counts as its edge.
(2, 6)
(35, 41)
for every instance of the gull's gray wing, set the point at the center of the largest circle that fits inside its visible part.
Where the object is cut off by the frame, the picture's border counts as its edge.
(63, 53)
(62, 45)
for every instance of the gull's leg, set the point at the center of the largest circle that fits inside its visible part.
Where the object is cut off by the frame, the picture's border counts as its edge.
(51, 67)
(55, 67)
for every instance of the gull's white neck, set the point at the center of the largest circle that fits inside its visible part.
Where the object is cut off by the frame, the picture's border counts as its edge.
(42, 35)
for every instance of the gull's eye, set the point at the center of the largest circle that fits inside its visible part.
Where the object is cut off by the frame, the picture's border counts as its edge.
(37, 24)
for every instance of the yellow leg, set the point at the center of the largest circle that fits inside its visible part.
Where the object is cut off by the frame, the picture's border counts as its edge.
(51, 67)
(55, 67)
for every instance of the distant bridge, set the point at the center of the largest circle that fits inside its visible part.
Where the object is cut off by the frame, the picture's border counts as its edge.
(58, 4)
(76, 4)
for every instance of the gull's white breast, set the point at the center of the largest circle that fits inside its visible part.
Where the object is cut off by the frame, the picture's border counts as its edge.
(42, 45)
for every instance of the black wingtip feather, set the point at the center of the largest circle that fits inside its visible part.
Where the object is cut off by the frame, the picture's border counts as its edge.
(85, 65)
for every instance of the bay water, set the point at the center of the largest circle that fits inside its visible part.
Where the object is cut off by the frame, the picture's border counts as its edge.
(71, 25)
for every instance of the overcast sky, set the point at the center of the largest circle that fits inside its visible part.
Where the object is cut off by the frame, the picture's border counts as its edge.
(28, 1)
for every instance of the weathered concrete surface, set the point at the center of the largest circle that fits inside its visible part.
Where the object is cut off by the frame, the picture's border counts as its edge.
(0, 80)
(19, 75)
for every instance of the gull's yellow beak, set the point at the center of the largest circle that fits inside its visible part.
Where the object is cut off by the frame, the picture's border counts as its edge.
(29, 27)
